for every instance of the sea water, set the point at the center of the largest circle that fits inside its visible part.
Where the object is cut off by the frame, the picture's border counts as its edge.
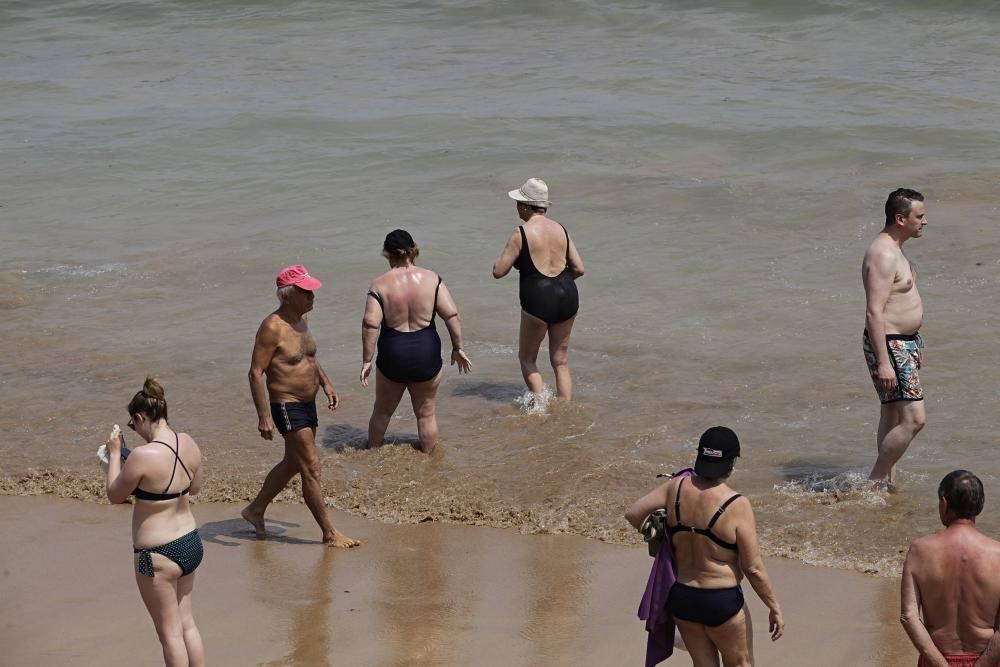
(721, 166)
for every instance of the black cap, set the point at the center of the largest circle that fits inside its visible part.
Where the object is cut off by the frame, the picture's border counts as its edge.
(398, 239)
(717, 448)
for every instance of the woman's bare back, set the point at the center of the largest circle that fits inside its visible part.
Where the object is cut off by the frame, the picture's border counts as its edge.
(547, 244)
(407, 295)
(701, 562)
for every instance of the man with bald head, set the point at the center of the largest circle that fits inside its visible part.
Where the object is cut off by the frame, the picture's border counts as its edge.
(950, 589)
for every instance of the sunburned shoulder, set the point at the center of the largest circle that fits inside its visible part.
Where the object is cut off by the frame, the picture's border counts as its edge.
(882, 248)
(881, 259)
(423, 271)
(272, 322)
(989, 545)
(426, 274)
(270, 329)
(926, 543)
(943, 543)
(740, 506)
(972, 553)
(549, 225)
(191, 445)
(380, 280)
(142, 455)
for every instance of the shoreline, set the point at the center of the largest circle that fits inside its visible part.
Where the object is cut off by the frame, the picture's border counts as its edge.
(411, 504)
(415, 594)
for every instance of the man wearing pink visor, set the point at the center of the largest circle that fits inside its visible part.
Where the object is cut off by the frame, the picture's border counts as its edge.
(285, 353)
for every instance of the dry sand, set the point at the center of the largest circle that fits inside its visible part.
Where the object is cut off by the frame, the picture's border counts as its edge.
(427, 594)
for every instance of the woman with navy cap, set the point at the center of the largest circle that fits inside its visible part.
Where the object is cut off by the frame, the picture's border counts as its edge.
(400, 322)
(714, 536)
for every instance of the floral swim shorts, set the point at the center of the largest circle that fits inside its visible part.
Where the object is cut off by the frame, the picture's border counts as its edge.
(905, 352)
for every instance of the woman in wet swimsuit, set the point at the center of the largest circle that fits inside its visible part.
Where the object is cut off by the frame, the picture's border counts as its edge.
(714, 536)
(549, 263)
(167, 547)
(400, 315)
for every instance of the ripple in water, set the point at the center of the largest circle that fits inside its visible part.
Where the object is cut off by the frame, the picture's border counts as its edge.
(82, 271)
(535, 404)
(846, 486)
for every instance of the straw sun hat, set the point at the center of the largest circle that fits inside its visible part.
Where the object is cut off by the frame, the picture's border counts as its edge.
(534, 192)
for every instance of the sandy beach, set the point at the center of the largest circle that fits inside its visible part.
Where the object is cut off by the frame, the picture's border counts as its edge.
(426, 594)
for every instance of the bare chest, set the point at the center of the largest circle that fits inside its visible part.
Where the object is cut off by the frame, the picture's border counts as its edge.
(905, 279)
(296, 347)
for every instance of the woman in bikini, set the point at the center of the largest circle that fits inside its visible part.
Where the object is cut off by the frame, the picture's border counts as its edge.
(399, 314)
(167, 547)
(549, 264)
(714, 536)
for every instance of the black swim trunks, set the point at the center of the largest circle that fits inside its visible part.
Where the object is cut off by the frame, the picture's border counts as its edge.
(294, 416)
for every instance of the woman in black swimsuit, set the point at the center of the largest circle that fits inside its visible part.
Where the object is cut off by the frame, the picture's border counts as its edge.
(399, 314)
(714, 536)
(549, 263)
(161, 475)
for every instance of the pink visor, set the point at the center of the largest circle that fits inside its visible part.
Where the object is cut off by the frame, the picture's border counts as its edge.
(298, 276)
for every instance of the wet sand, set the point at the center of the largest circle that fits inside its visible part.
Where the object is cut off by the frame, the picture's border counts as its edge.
(426, 594)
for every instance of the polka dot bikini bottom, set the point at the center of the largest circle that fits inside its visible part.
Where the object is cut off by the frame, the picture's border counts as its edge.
(186, 551)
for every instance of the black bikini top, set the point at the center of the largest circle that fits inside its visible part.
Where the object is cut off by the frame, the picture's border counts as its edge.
(707, 532)
(149, 495)
(434, 308)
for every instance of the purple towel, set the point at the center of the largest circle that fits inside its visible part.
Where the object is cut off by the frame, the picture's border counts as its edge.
(653, 606)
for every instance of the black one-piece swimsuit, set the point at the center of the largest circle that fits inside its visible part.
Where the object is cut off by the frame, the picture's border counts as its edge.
(550, 299)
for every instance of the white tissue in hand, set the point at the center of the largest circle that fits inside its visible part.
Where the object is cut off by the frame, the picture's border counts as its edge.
(102, 456)
(102, 451)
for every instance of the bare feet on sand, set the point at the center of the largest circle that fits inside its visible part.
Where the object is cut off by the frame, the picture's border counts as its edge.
(339, 540)
(255, 520)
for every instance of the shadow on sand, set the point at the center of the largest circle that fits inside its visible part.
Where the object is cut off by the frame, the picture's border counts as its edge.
(239, 530)
(498, 392)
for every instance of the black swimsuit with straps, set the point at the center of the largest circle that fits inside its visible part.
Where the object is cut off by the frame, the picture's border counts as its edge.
(552, 299)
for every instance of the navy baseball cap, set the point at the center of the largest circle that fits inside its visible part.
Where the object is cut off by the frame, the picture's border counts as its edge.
(717, 449)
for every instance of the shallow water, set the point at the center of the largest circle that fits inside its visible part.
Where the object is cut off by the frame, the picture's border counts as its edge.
(721, 167)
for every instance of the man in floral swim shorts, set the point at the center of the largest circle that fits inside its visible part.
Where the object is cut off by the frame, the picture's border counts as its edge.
(893, 315)
(905, 353)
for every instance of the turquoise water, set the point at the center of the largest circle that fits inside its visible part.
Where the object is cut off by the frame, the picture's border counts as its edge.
(721, 166)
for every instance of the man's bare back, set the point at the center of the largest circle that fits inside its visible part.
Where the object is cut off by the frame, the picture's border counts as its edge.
(954, 577)
(950, 594)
